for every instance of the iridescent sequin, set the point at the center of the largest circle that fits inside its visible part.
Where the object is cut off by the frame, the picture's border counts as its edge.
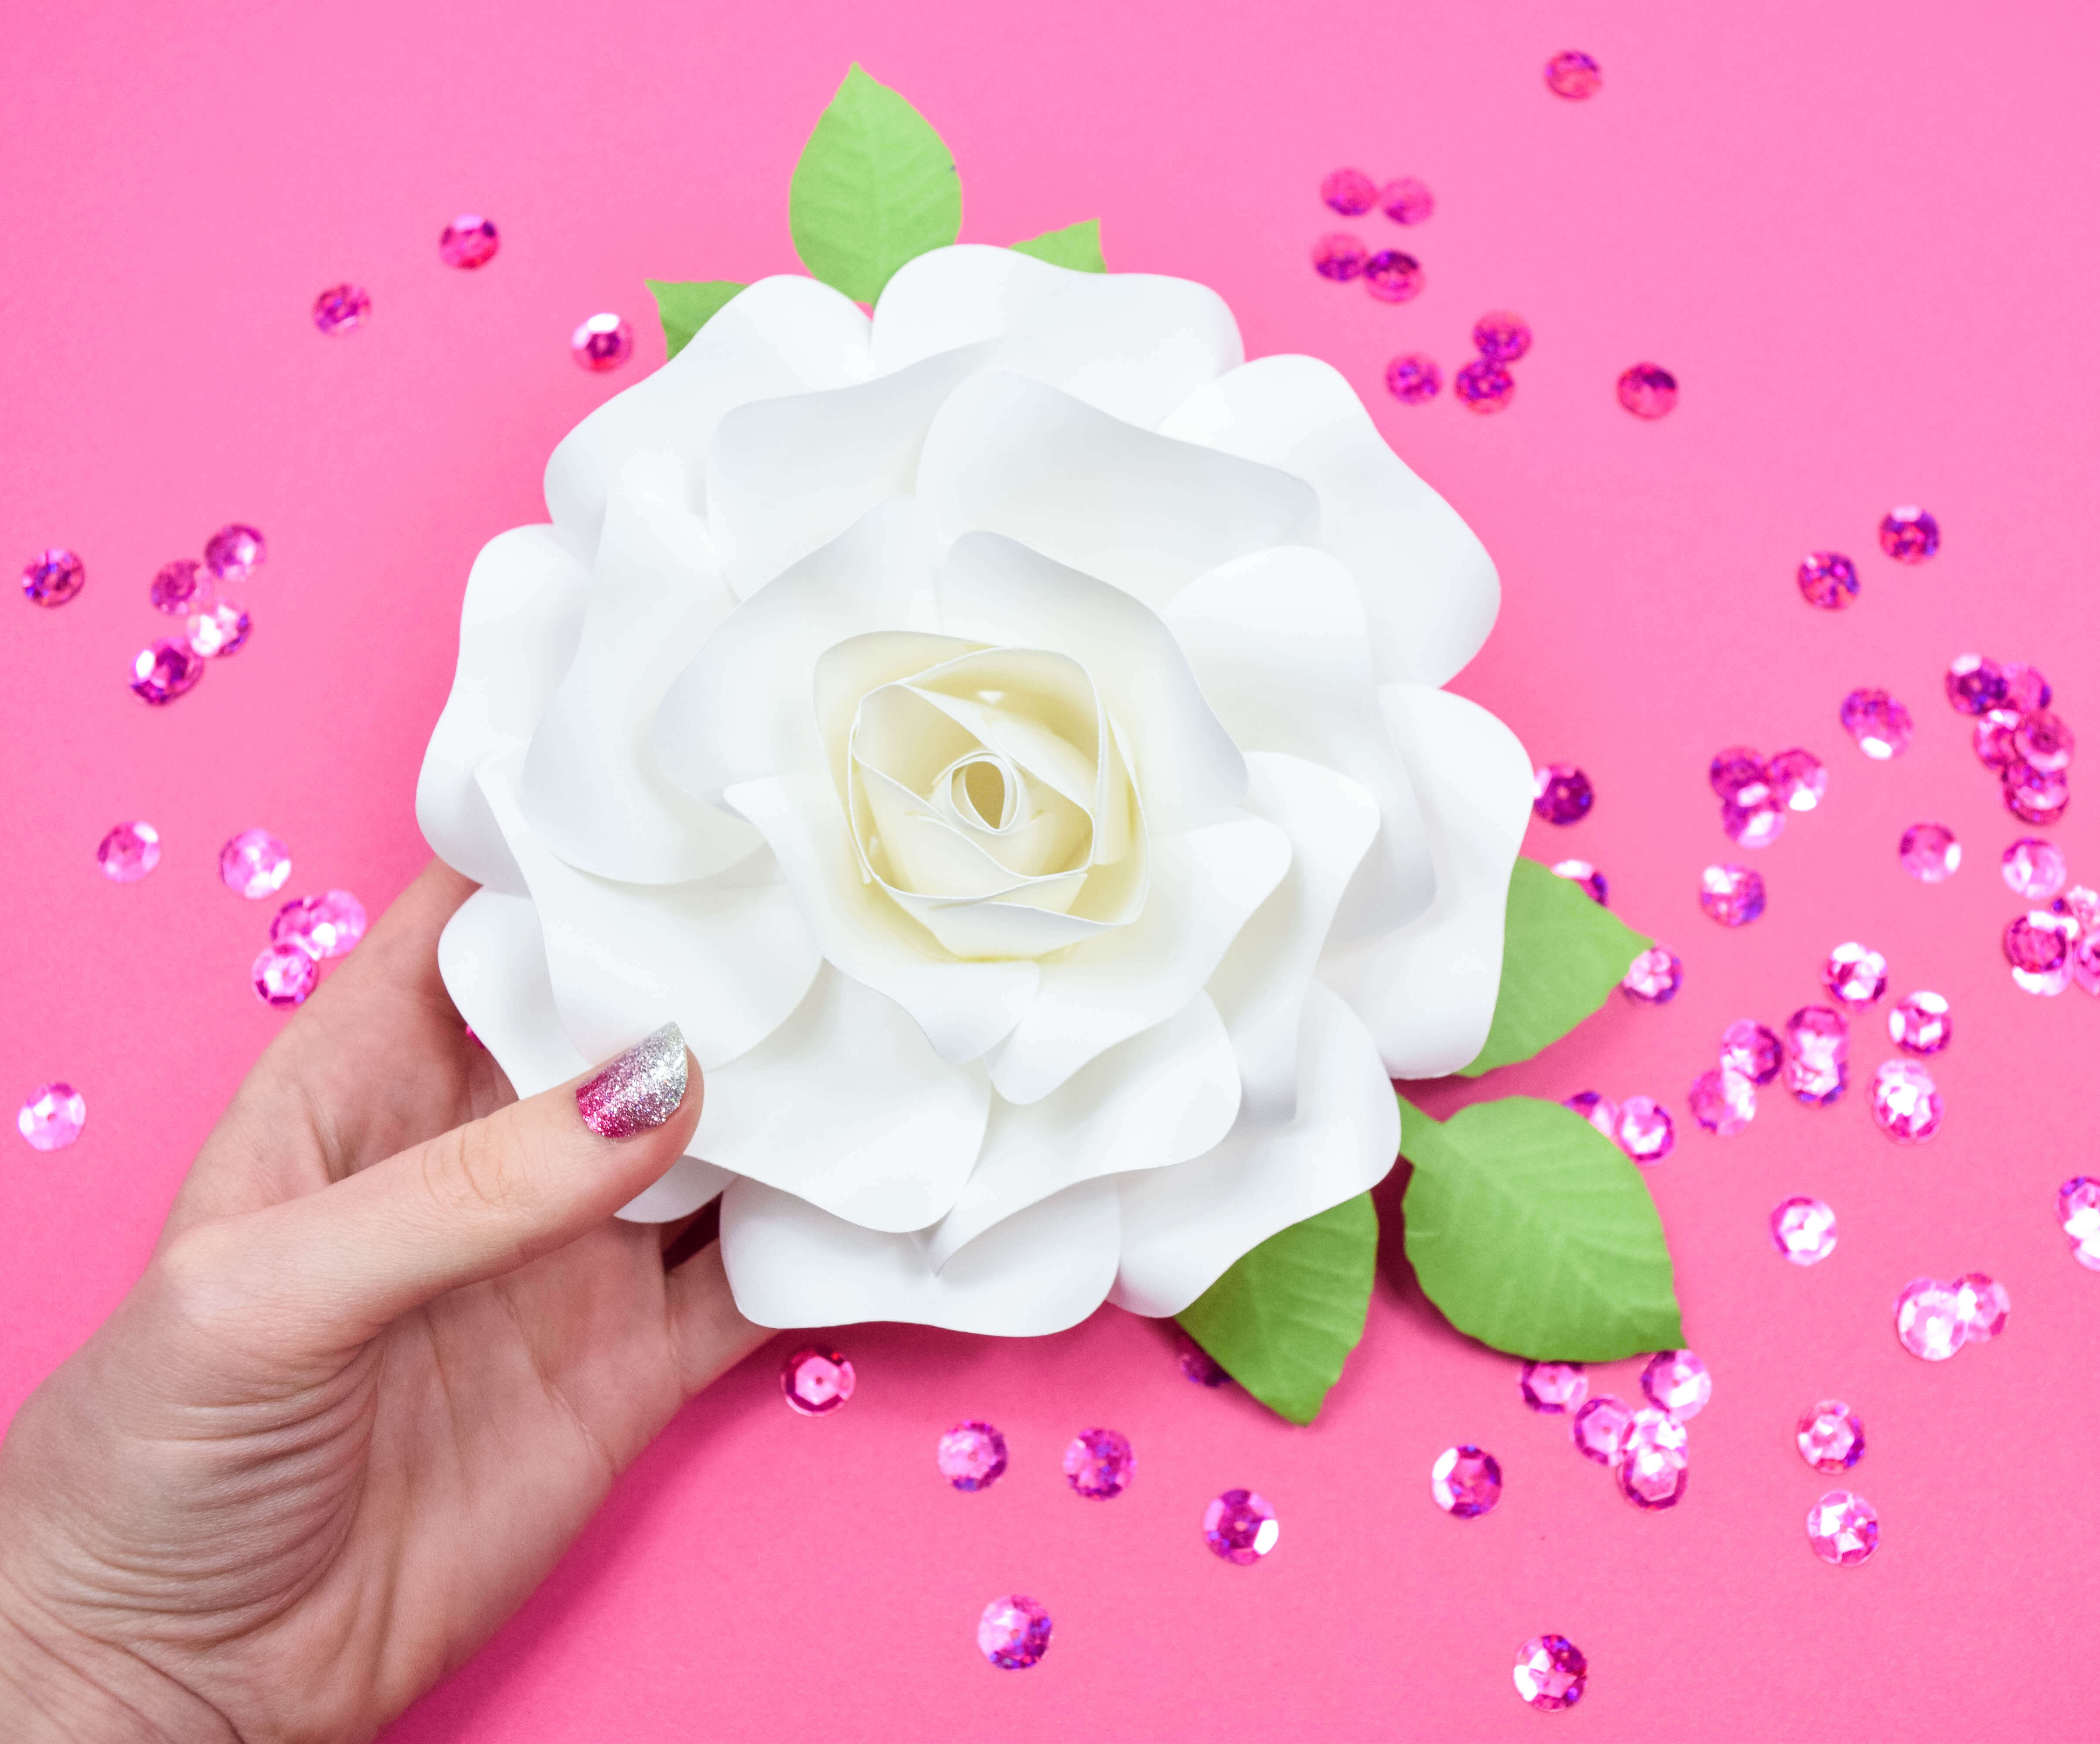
(1648, 390)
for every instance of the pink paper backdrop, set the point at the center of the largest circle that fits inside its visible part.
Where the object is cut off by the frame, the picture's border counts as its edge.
(1862, 234)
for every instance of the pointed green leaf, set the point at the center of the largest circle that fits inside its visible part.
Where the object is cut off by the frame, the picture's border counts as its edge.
(875, 188)
(1283, 1317)
(1533, 1232)
(1078, 246)
(1562, 955)
(684, 309)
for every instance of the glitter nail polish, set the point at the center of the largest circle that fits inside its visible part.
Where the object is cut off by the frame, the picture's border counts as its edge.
(637, 1090)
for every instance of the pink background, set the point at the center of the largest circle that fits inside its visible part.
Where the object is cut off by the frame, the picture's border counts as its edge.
(1862, 237)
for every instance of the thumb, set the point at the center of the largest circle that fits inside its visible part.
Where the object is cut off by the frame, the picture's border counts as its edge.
(337, 1265)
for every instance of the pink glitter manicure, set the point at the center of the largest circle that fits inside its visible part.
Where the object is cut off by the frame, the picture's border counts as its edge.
(637, 1090)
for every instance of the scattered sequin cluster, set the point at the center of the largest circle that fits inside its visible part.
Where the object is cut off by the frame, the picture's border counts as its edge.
(304, 933)
(1389, 275)
(2016, 736)
(1757, 794)
(1640, 1126)
(214, 624)
(1934, 1320)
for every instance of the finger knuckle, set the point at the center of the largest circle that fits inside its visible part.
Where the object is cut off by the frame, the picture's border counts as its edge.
(478, 1170)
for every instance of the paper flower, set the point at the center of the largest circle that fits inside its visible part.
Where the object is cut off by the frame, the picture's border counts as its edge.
(1005, 734)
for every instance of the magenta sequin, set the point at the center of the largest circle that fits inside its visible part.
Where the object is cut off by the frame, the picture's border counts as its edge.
(1573, 74)
(1099, 1464)
(2034, 796)
(1738, 772)
(1501, 337)
(1241, 1527)
(1551, 1673)
(1929, 853)
(235, 552)
(1928, 1322)
(1910, 534)
(2034, 868)
(1750, 1049)
(2038, 945)
(52, 1117)
(1338, 255)
(1653, 977)
(1831, 1437)
(1975, 685)
(1804, 1229)
(254, 864)
(1583, 874)
(1907, 1103)
(52, 577)
(1919, 1024)
(1798, 779)
(1407, 201)
(327, 926)
(816, 1381)
(1827, 580)
(164, 671)
(1599, 1429)
(1414, 379)
(1648, 390)
(128, 852)
(1561, 793)
(1678, 1382)
(1733, 895)
(1392, 276)
(180, 588)
(1554, 1389)
(971, 1456)
(470, 241)
(1484, 386)
(1983, 1305)
(1350, 193)
(341, 307)
(1723, 1102)
(1879, 725)
(1465, 1482)
(1856, 975)
(219, 632)
(1646, 1132)
(1014, 1632)
(284, 975)
(1843, 1529)
(602, 342)
(2044, 742)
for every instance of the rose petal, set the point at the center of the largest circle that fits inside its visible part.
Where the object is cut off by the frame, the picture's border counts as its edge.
(1260, 987)
(784, 335)
(1205, 884)
(1134, 345)
(1183, 1226)
(518, 627)
(790, 1264)
(1167, 1094)
(1430, 589)
(1427, 991)
(728, 959)
(1006, 455)
(593, 788)
(1278, 641)
(494, 966)
(847, 1106)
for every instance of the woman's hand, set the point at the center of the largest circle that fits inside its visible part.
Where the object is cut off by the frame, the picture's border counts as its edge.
(389, 1355)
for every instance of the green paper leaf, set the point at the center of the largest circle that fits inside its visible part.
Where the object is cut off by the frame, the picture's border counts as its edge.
(1533, 1232)
(875, 188)
(684, 309)
(1562, 955)
(1078, 246)
(1285, 1316)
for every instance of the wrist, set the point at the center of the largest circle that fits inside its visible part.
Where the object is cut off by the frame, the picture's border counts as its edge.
(60, 1687)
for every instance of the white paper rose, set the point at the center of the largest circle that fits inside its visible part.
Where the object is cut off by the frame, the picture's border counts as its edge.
(1005, 734)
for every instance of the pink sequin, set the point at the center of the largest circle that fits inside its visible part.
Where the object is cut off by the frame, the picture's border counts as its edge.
(52, 1117)
(1013, 1632)
(1907, 1103)
(1827, 580)
(1501, 337)
(1831, 1437)
(1676, 1381)
(1755, 825)
(2038, 946)
(1919, 1023)
(1804, 1229)
(1910, 534)
(235, 552)
(1551, 1672)
(2034, 868)
(1798, 779)
(1599, 1429)
(1600, 1112)
(1975, 684)
(180, 588)
(164, 671)
(602, 342)
(1724, 1102)
(1555, 1388)
(217, 633)
(2044, 742)
(1733, 895)
(284, 975)
(1240, 1527)
(971, 1456)
(1646, 1132)
(1736, 770)
(2026, 689)
(1984, 1303)
(816, 1381)
(1587, 877)
(1413, 379)
(1350, 193)
(1484, 386)
(1879, 725)
(1856, 975)
(1465, 1482)
(1099, 1464)
(469, 242)
(1652, 1479)
(327, 926)
(1574, 75)
(1653, 977)
(1561, 793)
(1929, 853)
(1928, 1322)
(1340, 256)
(128, 852)
(1748, 1047)
(1992, 739)
(1843, 1529)
(1392, 276)
(1648, 390)
(52, 577)
(2034, 796)
(342, 308)
(254, 864)
(1406, 200)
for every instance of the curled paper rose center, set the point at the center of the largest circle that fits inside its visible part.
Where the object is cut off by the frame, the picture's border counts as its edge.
(989, 794)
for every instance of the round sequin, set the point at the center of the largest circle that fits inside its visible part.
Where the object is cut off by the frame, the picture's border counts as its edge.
(341, 307)
(1466, 1482)
(601, 342)
(1648, 390)
(1798, 779)
(816, 1381)
(469, 242)
(254, 864)
(1340, 256)
(180, 588)
(52, 577)
(1828, 581)
(1804, 1229)
(1732, 895)
(164, 671)
(2037, 945)
(1014, 1632)
(2034, 796)
(971, 1456)
(327, 926)
(1735, 772)
(1350, 193)
(1392, 276)
(1879, 725)
(1992, 739)
(1407, 201)
(1574, 75)
(235, 552)
(2026, 689)
(1856, 975)
(1907, 1103)
(1724, 1102)
(1919, 1023)
(1653, 977)
(1678, 1382)
(128, 852)
(1583, 874)
(1928, 1322)
(1414, 379)
(1484, 386)
(1929, 853)
(2034, 868)
(1650, 1477)
(1241, 1527)
(1750, 1049)
(1910, 534)
(1501, 337)
(1099, 1464)
(2044, 742)
(1599, 1429)
(1646, 1132)
(1551, 1673)
(1983, 1305)
(52, 1117)
(1555, 1388)
(1843, 1529)
(1975, 685)
(215, 634)
(1561, 793)
(1830, 1436)
(1757, 825)
(284, 975)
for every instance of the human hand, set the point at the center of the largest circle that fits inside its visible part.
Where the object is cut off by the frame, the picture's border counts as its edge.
(389, 1355)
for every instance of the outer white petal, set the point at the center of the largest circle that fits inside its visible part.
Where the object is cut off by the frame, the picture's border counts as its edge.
(1184, 1226)
(963, 1007)
(744, 708)
(1277, 642)
(1261, 987)
(1429, 586)
(1205, 884)
(729, 959)
(785, 335)
(518, 626)
(1189, 771)
(790, 1264)
(788, 475)
(495, 968)
(1165, 1095)
(846, 1105)
(593, 788)
(1008, 455)
(1427, 993)
(1132, 344)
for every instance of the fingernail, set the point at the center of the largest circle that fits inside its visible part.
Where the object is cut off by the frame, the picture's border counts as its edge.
(637, 1090)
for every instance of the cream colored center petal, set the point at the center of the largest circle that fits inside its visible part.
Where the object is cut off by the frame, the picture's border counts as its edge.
(988, 793)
